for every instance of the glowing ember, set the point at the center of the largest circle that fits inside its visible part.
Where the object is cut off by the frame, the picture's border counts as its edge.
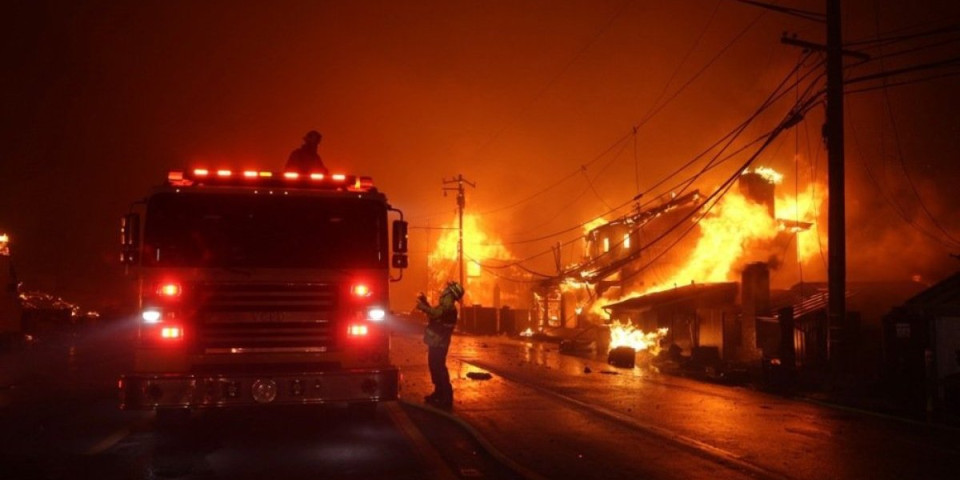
(527, 333)
(626, 335)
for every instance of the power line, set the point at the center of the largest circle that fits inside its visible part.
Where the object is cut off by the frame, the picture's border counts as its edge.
(715, 197)
(880, 42)
(796, 113)
(949, 62)
(903, 83)
(643, 120)
(788, 122)
(566, 67)
(804, 14)
(777, 94)
(461, 203)
(888, 198)
(903, 165)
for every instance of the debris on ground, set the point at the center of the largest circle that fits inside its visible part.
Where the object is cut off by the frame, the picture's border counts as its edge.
(479, 375)
(586, 369)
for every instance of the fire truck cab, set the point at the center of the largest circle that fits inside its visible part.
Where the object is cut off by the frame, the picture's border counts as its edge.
(261, 288)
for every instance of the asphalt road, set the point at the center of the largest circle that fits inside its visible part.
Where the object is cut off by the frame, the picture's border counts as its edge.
(539, 414)
(59, 417)
(564, 416)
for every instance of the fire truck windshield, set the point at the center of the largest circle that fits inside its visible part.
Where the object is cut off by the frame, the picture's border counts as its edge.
(276, 231)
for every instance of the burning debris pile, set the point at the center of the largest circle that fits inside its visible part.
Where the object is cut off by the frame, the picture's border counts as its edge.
(626, 341)
(627, 335)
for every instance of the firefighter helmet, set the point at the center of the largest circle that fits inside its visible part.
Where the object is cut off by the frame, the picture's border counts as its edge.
(312, 136)
(454, 289)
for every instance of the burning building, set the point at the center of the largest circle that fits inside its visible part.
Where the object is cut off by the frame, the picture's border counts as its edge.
(700, 269)
(494, 301)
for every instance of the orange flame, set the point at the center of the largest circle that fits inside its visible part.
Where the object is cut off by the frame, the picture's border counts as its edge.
(592, 224)
(732, 226)
(734, 232)
(804, 207)
(480, 248)
(627, 335)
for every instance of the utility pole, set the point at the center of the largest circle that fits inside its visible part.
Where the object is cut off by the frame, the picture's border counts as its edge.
(461, 202)
(833, 131)
(836, 223)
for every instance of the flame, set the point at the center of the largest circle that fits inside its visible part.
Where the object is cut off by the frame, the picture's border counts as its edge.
(627, 335)
(479, 248)
(804, 207)
(732, 226)
(769, 174)
(592, 224)
(734, 232)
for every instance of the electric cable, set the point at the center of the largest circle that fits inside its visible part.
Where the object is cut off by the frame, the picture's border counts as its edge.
(643, 121)
(903, 165)
(731, 135)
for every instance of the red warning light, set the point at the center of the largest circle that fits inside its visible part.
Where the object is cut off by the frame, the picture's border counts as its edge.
(361, 290)
(357, 330)
(171, 333)
(169, 290)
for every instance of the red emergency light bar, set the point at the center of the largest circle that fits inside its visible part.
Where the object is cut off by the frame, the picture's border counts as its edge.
(248, 178)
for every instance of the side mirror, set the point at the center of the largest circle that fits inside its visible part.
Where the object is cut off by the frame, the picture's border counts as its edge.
(399, 258)
(400, 238)
(130, 239)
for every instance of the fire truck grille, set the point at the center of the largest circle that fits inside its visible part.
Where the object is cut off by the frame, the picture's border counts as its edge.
(266, 317)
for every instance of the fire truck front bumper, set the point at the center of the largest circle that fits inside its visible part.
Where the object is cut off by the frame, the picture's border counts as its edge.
(147, 392)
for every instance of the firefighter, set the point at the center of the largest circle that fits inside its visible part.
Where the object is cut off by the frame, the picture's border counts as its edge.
(306, 159)
(436, 336)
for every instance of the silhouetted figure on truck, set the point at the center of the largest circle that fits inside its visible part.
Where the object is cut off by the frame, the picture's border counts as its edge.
(306, 159)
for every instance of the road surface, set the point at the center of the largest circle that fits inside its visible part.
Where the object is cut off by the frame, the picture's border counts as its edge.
(540, 414)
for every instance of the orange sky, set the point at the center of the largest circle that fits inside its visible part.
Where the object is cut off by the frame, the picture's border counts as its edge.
(101, 98)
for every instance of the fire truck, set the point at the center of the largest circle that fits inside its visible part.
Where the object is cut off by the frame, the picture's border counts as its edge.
(261, 288)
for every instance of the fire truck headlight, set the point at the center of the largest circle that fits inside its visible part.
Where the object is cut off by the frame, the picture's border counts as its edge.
(376, 314)
(151, 316)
